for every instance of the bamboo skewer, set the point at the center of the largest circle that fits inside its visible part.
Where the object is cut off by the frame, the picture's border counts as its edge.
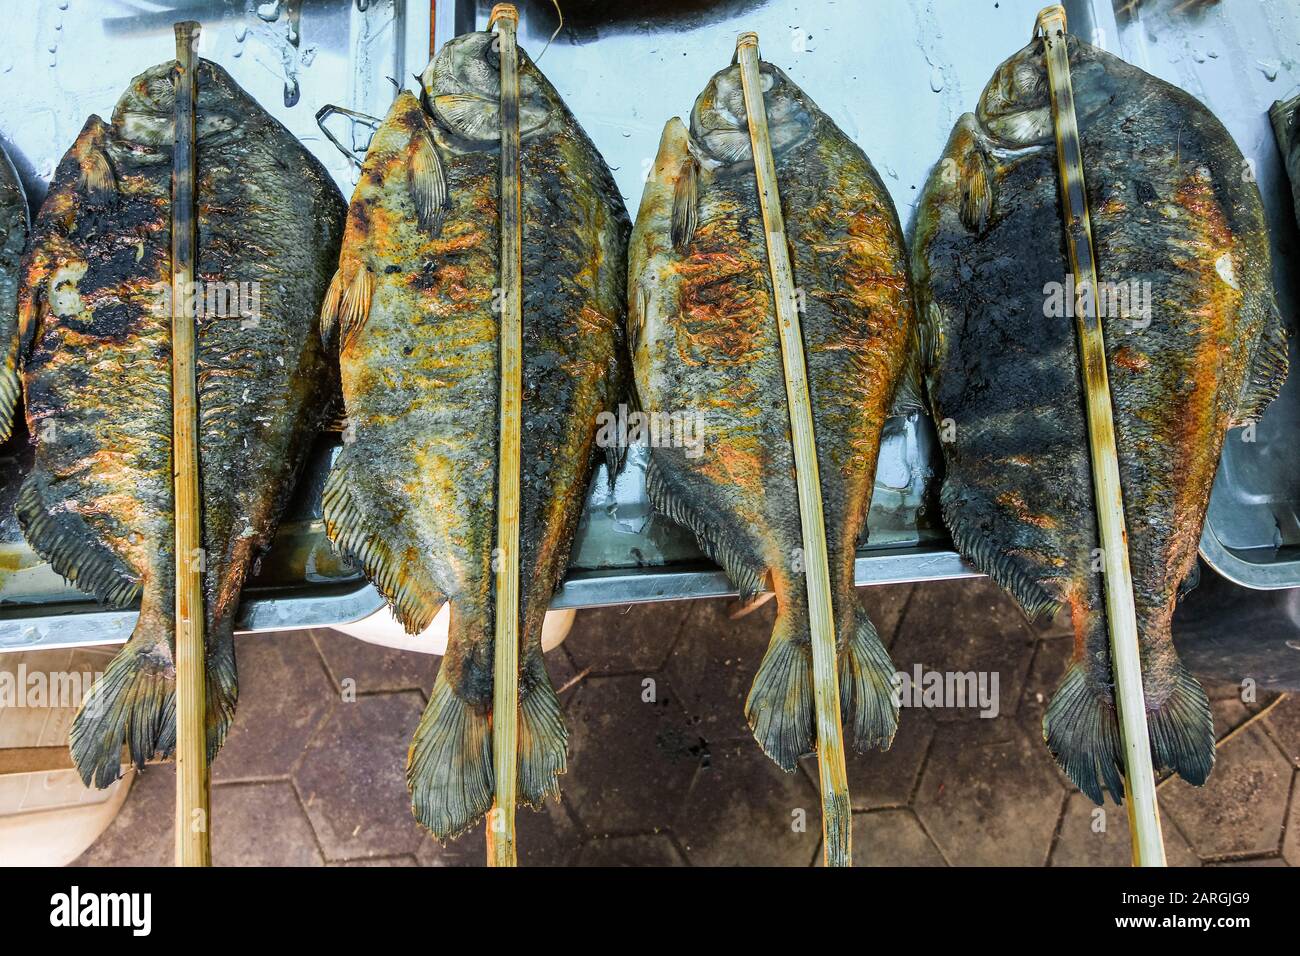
(505, 686)
(192, 810)
(1121, 616)
(836, 810)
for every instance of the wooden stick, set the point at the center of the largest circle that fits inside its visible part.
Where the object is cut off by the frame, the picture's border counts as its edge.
(192, 846)
(836, 810)
(1121, 617)
(505, 687)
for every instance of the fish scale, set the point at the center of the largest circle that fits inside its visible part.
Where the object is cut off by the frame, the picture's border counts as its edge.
(1169, 208)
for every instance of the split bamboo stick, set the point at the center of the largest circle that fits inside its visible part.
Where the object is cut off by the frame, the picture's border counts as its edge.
(836, 811)
(192, 809)
(1121, 617)
(505, 692)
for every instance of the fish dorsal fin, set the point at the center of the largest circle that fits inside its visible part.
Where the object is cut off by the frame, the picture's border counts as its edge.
(346, 306)
(686, 199)
(97, 180)
(976, 185)
(428, 183)
(1266, 373)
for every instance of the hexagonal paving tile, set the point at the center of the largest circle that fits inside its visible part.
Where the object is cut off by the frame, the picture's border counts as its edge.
(1098, 836)
(880, 779)
(885, 605)
(988, 795)
(372, 667)
(646, 849)
(630, 761)
(633, 638)
(141, 834)
(966, 626)
(713, 666)
(1051, 660)
(283, 694)
(892, 838)
(744, 810)
(1283, 725)
(379, 861)
(352, 777)
(1240, 809)
(1229, 714)
(545, 837)
(468, 849)
(1291, 841)
(261, 824)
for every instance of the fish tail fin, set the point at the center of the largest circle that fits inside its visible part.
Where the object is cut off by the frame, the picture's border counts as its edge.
(1082, 732)
(133, 703)
(780, 703)
(223, 684)
(543, 739)
(1182, 730)
(449, 766)
(867, 699)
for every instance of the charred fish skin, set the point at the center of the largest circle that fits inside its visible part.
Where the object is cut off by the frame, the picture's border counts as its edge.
(1174, 218)
(13, 239)
(95, 324)
(415, 314)
(704, 339)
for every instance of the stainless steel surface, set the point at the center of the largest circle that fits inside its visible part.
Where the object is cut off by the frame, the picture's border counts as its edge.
(895, 84)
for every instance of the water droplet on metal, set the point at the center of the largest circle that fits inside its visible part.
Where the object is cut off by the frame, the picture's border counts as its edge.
(269, 11)
(291, 92)
(936, 80)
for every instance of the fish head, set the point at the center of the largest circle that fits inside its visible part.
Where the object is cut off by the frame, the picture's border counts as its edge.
(462, 90)
(144, 114)
(1016, 107)
(720, 123)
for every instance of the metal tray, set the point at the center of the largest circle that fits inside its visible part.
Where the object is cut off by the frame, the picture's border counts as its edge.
(896, 84)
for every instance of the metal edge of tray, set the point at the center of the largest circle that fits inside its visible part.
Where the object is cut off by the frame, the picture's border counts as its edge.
(1256, 575)
(581, 589)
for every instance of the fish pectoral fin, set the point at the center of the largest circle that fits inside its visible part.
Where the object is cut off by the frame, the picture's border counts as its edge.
(428, 183)
(1266, 373)
(686, 202)
(380, 546)
(63, 538)
(346, 305)
(97, 180)
(976, 189)
(749, 578)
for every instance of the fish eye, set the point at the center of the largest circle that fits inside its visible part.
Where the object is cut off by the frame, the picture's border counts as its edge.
(492, 54)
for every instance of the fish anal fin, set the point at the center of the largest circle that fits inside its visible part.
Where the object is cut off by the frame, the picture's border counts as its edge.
(428, 183)
(748, 577)
(329, 310)
(353, 528)
(62, 538)
(980, 548)
(1266, 373)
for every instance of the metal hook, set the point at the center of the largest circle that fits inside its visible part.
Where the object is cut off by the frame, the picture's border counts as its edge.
(329, 109)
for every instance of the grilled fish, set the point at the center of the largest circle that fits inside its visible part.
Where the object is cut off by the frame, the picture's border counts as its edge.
(1285, 116)
(13, 238)
(414, 312)
(1194, 346)
(95, 320)
(705, 342)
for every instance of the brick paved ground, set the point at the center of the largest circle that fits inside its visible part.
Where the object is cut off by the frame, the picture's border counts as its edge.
(663, 771)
